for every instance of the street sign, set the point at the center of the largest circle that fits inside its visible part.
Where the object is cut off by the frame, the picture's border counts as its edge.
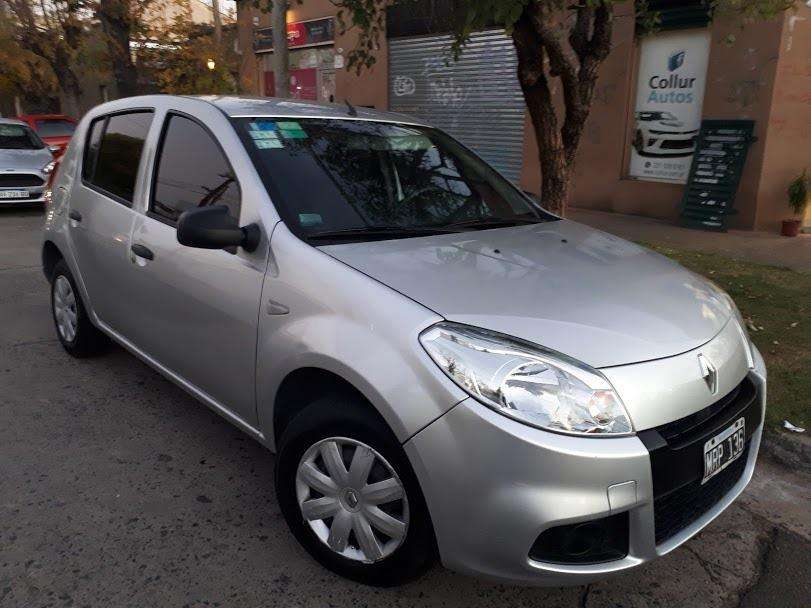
(715, 173)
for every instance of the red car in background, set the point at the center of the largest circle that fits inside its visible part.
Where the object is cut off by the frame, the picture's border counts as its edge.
(54, 129)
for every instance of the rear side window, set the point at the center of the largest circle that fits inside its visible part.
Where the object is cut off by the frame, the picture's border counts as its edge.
(113, 167)
(192, 172)
(92, 149)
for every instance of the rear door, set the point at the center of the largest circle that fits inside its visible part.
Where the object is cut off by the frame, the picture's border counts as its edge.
(100, 213)
(196, 311)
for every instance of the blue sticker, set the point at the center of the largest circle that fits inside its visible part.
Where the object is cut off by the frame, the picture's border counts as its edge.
(263, 125)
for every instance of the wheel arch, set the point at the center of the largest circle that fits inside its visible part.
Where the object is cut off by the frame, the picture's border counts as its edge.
(303, 386)
(50, 257)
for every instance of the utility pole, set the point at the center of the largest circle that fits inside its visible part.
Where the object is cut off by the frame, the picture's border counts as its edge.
(279, 27)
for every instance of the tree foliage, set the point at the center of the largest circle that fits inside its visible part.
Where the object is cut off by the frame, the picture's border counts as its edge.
(177, 54)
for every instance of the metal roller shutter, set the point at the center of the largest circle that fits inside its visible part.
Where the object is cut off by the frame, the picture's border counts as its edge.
(477, 99)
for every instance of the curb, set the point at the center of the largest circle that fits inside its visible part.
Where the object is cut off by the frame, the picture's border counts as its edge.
(791, 450)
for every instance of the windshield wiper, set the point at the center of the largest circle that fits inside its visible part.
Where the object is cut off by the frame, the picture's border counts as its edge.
(379, 232)
(494, 222)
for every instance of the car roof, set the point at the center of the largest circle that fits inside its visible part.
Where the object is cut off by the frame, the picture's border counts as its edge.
(237, 105)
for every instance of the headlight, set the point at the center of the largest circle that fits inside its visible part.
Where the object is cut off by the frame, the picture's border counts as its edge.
(48, 167)
(527, 382)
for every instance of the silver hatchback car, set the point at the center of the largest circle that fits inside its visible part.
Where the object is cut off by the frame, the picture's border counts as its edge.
(441, 367)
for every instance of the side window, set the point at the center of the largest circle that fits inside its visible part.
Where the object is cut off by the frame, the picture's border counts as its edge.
(191, 172)
(91, 150)
(119, 154)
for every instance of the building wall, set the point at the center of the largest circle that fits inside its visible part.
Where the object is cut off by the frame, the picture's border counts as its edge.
(370, 88)
(740, 83)
(788, 141)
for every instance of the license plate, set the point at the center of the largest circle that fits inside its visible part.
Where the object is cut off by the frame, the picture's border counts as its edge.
(13, 193)
(723, 449)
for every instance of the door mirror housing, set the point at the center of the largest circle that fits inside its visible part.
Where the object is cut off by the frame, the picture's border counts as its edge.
(54, 149)
(214, 228)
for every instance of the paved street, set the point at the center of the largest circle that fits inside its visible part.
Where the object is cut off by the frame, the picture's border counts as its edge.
(118, 490)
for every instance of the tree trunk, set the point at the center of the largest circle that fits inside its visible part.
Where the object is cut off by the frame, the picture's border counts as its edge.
(555, 176)
(215, 13)
(280, 54)
(115, 22)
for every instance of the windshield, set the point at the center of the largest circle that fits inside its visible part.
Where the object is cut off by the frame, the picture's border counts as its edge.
(330, 175)
(55, 127)
(19, 137)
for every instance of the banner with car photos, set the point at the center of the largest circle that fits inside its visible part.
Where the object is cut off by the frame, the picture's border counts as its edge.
(667, 115)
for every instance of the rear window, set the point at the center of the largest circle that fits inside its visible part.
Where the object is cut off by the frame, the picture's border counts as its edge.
(113, 153)
(55, 127)
(19, 137)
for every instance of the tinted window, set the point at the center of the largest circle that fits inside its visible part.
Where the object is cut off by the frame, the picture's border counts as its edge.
(192, 172)
(120, 152)
(18, 137)
(55, 127)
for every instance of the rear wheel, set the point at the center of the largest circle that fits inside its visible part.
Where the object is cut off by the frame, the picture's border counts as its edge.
(73, 327)
(349, 495)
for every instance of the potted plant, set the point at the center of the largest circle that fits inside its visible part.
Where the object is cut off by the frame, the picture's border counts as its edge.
(797, 200)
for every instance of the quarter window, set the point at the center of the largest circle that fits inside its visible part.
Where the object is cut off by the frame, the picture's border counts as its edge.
(192, 172)
(114, 167)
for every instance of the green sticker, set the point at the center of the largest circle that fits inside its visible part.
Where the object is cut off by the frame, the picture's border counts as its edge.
(264, 134)
(264, 144)
(293, 134)
(309, 219)
(290, 125)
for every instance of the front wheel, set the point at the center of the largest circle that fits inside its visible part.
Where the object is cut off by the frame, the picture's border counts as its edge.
(349, 495)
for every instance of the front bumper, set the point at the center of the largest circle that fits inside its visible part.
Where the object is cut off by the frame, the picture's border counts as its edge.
(493, 485)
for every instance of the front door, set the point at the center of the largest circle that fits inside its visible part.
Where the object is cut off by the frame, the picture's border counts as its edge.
(195, 310)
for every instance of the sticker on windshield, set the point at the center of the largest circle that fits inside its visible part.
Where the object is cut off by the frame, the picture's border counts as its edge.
(264, 134)
(290, 129)
(263, 125)
(264, 144)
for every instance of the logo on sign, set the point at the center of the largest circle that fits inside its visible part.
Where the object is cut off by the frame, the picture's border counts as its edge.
(676, 60)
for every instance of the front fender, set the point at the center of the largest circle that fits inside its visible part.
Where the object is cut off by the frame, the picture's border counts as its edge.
(349, 324)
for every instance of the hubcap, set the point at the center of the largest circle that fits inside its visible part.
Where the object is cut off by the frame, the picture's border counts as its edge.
(352, 499)
(64, 303)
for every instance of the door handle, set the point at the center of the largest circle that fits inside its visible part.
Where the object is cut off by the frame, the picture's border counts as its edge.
(142, 252)
(75, 215)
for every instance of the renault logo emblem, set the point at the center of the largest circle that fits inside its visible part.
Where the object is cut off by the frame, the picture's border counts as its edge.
(709, 373)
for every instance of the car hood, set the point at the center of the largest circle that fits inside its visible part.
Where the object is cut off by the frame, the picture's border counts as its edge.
(568, 287)
(25, 160)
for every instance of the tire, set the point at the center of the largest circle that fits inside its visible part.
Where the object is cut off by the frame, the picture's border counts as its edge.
(355, 428)
(79, 337)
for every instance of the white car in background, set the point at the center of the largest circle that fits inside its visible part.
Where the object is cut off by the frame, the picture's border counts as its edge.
(662, 134)
(25, 164)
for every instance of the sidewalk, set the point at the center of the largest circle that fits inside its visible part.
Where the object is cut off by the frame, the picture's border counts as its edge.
(759, 247)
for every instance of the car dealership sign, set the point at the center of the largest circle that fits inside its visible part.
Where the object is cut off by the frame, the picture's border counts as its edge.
(667, 115)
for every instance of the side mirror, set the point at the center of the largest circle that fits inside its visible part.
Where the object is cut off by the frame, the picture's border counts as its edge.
(214, 228)
(55, 149)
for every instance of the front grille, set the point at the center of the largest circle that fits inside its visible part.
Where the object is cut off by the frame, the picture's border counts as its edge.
(684, 429)
(675, 511)
(677, 459)
(17, 180)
